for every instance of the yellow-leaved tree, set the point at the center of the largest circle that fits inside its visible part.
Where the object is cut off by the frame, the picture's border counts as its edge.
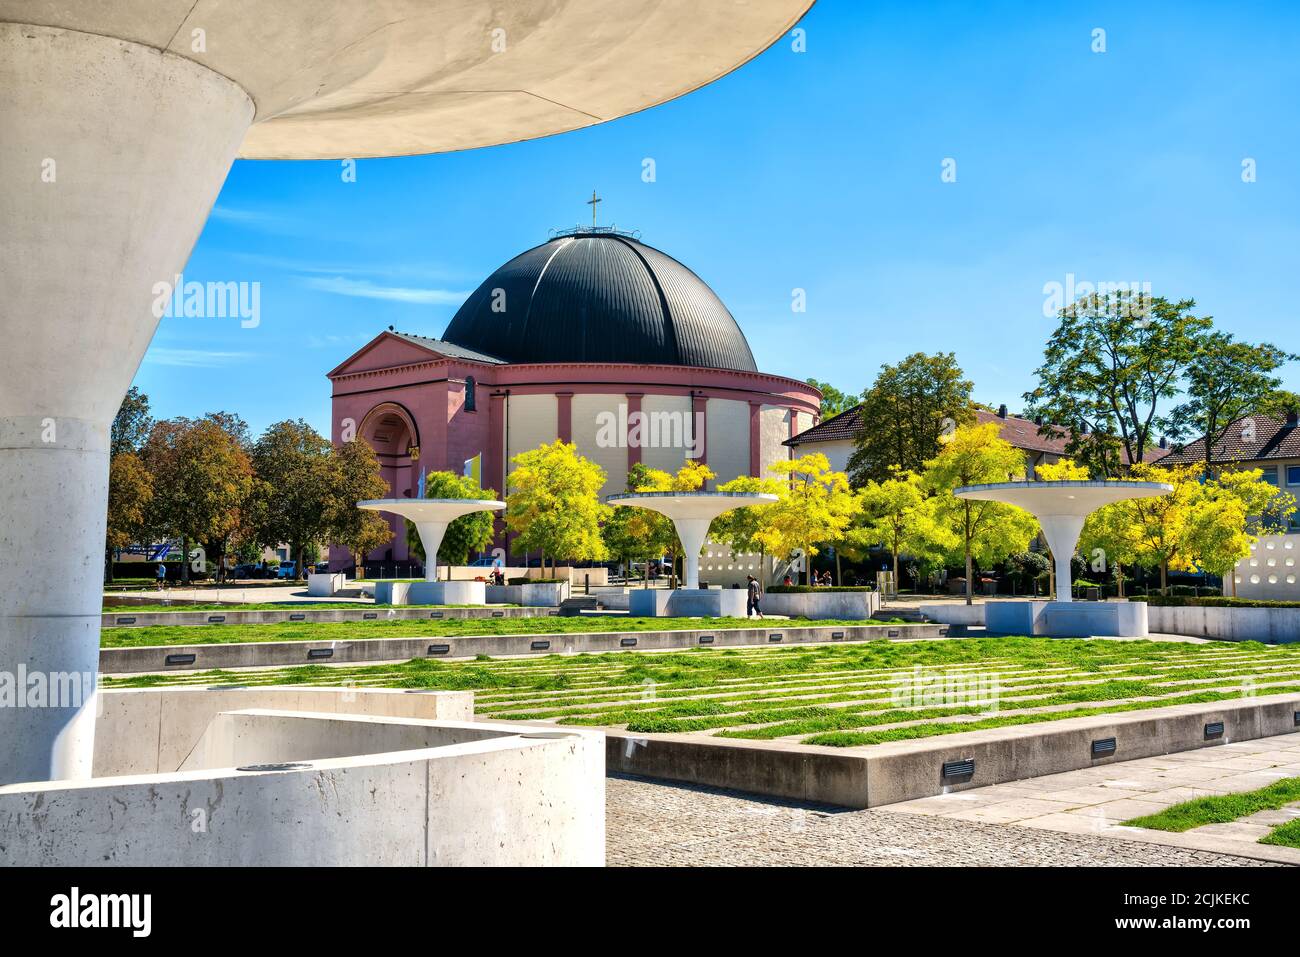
(739, 528)
(689, 478)
(554, 503)
(815, 506)
(898, 515)
(986, 532)
(1236, 508)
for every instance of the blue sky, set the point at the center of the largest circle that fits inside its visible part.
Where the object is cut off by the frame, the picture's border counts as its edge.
(818, 170)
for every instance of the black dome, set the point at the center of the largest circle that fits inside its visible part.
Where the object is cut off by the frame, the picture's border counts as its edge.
(600, 297)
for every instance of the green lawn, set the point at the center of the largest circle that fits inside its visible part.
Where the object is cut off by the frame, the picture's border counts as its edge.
(1223, 808)
(833, 695)
(130, 637)
(1284, 835)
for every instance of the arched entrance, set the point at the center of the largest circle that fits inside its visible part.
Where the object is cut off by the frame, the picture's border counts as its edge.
(391, 431)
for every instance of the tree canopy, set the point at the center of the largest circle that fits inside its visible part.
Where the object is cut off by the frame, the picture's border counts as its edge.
(906, 411)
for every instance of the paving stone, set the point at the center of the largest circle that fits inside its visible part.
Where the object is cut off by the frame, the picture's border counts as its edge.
(653, 823)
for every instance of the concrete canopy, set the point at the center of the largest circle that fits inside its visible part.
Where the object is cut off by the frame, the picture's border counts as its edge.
(1061, 508)
(120, 119)
(333, 79)
(691, 514)
(431, 517)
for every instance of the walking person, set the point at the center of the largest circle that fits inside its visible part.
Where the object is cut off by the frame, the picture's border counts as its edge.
(754, 595)
(162, 575)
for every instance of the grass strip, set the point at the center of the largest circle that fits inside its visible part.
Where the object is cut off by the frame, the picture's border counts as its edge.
(1221, 808)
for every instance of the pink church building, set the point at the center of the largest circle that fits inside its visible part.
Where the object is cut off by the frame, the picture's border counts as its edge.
(592, 337)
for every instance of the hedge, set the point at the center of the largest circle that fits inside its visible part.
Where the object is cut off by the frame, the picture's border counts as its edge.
(536, 581)
(801, 589)
(1179, 601)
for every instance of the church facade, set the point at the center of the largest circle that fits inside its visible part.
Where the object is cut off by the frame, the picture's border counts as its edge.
(592, 337)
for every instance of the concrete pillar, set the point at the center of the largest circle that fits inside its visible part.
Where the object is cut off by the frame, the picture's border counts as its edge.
(1062, 534)
(431, 535)
(113, 155)
(692, 532)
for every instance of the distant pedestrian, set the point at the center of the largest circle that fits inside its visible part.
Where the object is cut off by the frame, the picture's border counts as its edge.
(755, 594)
(826, 578)
(162, 575)
(785, 581)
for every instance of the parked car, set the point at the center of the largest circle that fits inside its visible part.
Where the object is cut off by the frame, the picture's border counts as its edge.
(287, 570)
(483, 561)
(322, 568)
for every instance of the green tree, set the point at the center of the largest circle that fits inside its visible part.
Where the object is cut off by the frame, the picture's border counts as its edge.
(1278, 402)
(554, 503)
(815, 506)
(295, 465)
(201, 478)
(130, 490)
(131, 425)
(906, 411)
(833, 400)
(1226, 381)
(357, 477)
(465, 535)
(986, 532)
(1113, 363)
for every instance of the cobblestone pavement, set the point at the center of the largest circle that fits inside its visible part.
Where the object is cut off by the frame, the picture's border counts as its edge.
(662, 824)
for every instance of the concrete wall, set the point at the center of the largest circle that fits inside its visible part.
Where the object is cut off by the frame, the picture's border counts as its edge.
(371, 791)
(125, 618)
(1270, 572)
(1272, 625)
(267, 654)
(539, 595)
(152, 730)
(667, 431)
(774, 429)
(827, 604)
(901, 771)
(954, 613)
(533, 421)
(727, 439)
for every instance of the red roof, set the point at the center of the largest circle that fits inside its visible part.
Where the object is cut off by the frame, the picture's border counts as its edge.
(1256, 438)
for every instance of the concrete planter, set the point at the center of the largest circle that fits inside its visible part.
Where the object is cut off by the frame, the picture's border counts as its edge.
(314, 777)
(430, 593)
(843, 605)
(536, 595)
(326, 586)
(1270, 625)
(687, 602)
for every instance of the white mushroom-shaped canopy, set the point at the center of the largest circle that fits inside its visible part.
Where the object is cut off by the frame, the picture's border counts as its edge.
(335, 79)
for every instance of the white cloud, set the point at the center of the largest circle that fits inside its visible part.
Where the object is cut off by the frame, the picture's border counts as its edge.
(365, 289)
(194, 358)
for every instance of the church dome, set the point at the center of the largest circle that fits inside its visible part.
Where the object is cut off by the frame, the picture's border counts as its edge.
(599, 296)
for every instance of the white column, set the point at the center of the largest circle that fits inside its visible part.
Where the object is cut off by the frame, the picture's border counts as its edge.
(112, 156)
(431, 538)
(692, 532)
(1062, 534)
